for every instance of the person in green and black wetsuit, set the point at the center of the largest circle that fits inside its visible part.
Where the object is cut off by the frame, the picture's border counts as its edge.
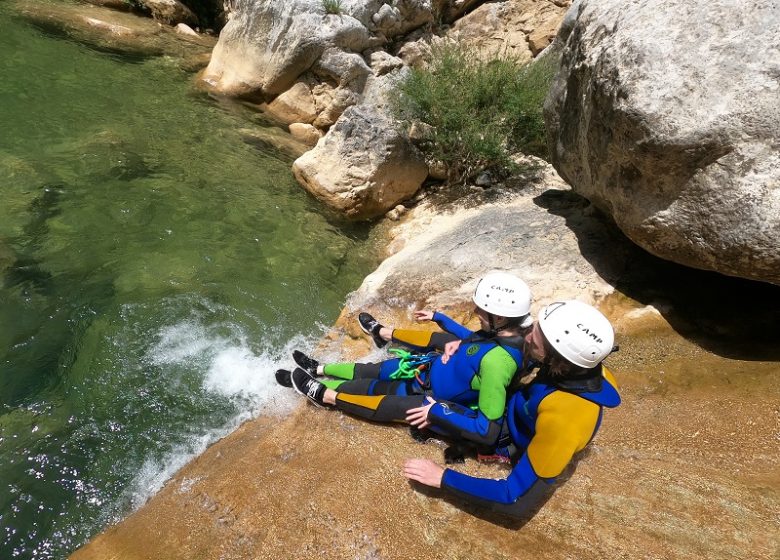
(551, 419)
(476, 370)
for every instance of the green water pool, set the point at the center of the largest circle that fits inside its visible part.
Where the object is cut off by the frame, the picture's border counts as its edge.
(154, 270)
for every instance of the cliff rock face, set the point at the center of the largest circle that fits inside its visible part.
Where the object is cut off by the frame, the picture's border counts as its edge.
(517, 29)
(665, 115)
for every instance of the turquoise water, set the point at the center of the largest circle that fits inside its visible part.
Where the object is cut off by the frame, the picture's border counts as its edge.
(154, 271)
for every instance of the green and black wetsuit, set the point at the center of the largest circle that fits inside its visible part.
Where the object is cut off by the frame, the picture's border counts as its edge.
(478, 374)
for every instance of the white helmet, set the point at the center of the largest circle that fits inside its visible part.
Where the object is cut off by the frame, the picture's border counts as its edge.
(578, 332)
(504, 294)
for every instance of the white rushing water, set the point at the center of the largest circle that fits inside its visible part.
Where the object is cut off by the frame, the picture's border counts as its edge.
(232, 370)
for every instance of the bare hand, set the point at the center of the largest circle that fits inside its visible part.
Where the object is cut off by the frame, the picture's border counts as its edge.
(449, 349)
(421, 315)
(418, 417)
(424, 471)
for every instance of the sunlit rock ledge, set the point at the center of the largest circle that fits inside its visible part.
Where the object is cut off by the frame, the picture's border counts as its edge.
(687, 467)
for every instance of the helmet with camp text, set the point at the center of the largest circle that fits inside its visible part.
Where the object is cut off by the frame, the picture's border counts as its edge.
(503, 294)
(577, 331)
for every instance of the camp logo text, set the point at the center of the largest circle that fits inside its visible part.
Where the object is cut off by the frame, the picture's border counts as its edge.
(473, 349)
(503, 289)
(592, 335)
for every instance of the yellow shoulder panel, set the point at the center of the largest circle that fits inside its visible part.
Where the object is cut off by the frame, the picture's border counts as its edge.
(609, 377)
(564, 425)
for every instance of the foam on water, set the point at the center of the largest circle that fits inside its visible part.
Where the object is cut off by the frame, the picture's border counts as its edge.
(231, 369)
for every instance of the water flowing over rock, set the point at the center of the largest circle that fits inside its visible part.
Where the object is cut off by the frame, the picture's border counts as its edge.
(664, 477)
(665, 115)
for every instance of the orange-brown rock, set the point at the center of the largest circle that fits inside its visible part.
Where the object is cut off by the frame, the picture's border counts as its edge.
(517, 29)
(687, 467)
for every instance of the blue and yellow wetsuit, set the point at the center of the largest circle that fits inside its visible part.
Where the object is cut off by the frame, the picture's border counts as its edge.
(477, 374)
(550, 423)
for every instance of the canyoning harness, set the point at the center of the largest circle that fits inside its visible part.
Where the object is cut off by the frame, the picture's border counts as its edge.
(411, 364)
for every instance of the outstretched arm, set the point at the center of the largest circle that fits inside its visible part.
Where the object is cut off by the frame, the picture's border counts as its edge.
(564, 425)
(424, 471)
(451, 326)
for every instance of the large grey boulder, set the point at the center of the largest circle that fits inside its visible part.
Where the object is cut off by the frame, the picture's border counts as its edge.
(266, 45)
(666, 115)
(363, 166)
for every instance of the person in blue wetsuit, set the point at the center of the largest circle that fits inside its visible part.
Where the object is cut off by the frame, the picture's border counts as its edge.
(549, 420)
(475, 371)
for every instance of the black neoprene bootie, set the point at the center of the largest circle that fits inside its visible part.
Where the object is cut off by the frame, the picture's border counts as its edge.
(284, 377)
(371, 326)
(308, 364)
(309, 387)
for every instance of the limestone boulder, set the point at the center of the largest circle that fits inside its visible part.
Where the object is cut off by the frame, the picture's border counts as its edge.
(518, 29)
(665, 115)
(294, 105)
(382, 62)
(170, 12)
(416, 50)
(363, 166)
(306, 133)
(266, 46)
(543, 232)
(397, 18)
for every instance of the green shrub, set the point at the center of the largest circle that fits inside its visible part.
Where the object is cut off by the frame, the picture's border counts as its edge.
(332, 6)
(481, 112)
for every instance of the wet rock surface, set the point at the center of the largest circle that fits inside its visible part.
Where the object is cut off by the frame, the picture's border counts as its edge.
(686, 467)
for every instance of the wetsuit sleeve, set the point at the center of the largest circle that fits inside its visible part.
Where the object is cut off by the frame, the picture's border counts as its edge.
(564, 426)
(482, 426)
(423, 341)
(451, 326)
(486, 490)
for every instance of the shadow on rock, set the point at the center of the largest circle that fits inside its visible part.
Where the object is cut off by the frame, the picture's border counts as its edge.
(731, 317)
(479, 512)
